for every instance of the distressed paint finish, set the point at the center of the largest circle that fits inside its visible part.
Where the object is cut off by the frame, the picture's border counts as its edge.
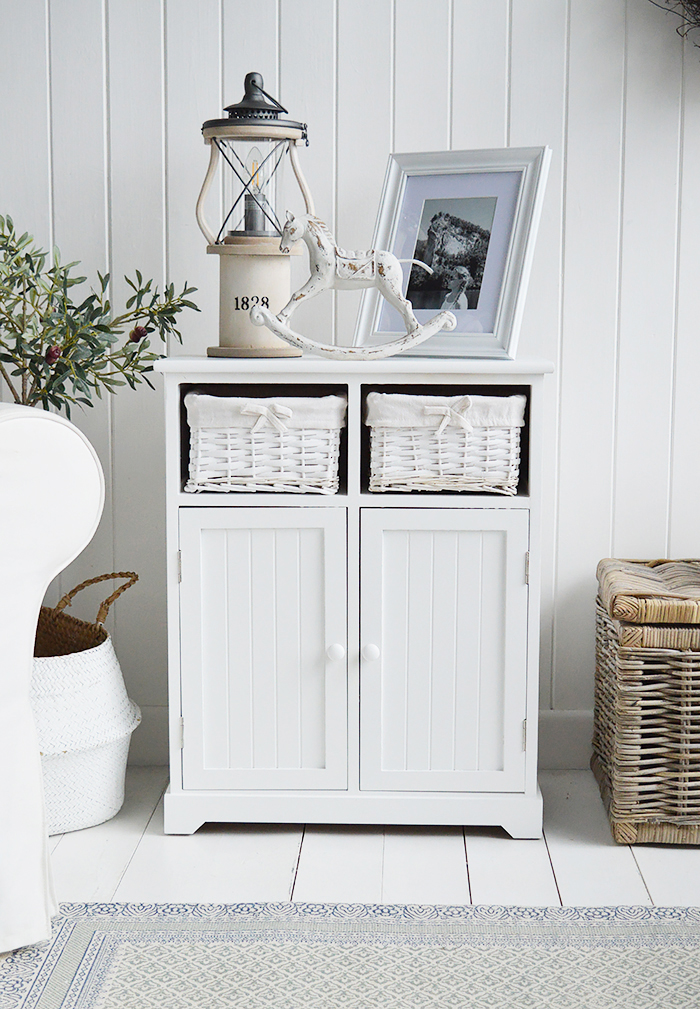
(335, 268)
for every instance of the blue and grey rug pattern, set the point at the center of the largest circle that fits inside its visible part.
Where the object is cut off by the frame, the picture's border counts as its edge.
(322, 956)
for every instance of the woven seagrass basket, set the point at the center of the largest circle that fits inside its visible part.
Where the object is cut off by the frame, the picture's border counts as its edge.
(83, 715)
(646, 743)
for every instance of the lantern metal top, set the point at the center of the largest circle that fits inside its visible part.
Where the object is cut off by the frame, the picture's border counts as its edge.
(257, 111)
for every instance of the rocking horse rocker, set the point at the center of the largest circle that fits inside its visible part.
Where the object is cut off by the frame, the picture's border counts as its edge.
(332, 267)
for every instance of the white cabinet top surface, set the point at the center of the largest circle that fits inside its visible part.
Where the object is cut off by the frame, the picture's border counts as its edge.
(392, 367)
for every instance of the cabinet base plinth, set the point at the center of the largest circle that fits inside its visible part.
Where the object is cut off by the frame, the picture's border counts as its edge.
(519, 815)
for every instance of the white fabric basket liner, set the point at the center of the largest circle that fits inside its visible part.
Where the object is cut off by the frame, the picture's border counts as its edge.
(80, 701)
(278, 412)
(396, 410)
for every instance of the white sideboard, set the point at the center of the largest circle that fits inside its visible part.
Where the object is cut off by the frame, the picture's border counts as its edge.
(357, 657)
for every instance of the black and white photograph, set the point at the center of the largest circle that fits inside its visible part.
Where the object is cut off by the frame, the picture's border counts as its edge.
(463, 224)
(453, 241)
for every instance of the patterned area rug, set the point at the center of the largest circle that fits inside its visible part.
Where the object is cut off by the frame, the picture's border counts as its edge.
(284, 956)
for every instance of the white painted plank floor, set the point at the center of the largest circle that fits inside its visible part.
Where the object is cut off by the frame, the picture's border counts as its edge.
(575, 863)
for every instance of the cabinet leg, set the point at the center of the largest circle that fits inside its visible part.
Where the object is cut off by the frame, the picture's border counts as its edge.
(178, 816)
(526, 821)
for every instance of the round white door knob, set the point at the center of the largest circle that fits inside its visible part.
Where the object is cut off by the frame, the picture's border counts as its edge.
(370, 653)
(335, 653)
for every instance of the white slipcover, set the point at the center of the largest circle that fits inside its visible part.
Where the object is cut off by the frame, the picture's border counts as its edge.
(51, 499)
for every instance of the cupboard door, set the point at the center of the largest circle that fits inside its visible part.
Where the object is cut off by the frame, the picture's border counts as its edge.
(262, 599)
(444, 649)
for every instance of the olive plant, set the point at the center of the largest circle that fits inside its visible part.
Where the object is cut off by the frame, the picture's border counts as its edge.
(55, 353)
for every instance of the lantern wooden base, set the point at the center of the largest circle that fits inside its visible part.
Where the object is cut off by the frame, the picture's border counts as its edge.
(251, 273)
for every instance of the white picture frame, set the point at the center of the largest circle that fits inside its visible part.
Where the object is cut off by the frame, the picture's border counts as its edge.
(428, 208)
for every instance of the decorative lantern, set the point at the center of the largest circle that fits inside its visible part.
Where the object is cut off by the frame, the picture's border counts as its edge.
(254, 144)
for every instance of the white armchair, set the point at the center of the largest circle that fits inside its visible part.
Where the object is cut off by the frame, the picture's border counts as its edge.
(51, 499)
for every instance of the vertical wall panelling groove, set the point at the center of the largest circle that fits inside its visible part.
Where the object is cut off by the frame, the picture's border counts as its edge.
(164, 152)
(49, 124)
(676, 301)
(509, 71)
(450, 70)
(556, 449)
(684, 532)
(109, 231)
(618, 280)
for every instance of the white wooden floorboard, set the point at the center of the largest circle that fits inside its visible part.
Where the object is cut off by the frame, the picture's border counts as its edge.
(507, 871)
(88, 864)
(424, 865)
(340, 864)
(590, 868)
(220, 863)
(672, 874)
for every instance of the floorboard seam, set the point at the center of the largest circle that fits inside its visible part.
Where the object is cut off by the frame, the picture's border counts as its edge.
(296, 866)
(140, 839)
(551, 863)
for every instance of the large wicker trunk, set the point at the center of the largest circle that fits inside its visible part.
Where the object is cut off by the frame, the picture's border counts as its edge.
(646, 743)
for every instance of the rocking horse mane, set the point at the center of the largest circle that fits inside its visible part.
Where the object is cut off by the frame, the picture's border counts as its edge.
(316, 224)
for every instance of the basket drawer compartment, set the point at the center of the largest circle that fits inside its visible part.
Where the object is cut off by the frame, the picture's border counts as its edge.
(287, 444)
(435, 443)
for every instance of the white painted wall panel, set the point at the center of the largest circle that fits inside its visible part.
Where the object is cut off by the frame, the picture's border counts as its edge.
(422, 70)
(589, 352)
(81, 229)
(307, 86)
(25, 124)
(193, 93)
(364, 130)
(480, 74)
(537, 115)
(647, 285)
(137, 201)
(101, 145)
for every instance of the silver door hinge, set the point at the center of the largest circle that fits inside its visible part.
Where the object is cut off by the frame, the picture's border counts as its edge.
(179, 565)
(525, 734)
(527, 568)
(182, 734)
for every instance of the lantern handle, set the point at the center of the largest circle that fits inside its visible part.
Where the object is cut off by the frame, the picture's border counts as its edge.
(308, 200)
(211, 171)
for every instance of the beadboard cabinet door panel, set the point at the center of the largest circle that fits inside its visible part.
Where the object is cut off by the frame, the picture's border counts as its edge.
(263, 596)
(444, 601)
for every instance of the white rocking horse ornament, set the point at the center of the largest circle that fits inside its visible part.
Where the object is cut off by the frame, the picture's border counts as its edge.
(332, 267)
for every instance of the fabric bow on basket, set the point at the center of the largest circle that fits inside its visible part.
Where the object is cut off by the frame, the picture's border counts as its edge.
(455, 415)
(271, 414)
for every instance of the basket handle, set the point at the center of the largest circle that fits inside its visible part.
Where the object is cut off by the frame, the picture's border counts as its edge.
(131, 577)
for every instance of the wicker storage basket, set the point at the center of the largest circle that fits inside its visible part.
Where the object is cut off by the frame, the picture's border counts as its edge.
(646, 742)
(434, 443)
(83, 715)
(283, 444)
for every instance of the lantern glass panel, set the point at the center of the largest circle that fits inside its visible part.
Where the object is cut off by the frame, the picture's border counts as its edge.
(253, 190)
